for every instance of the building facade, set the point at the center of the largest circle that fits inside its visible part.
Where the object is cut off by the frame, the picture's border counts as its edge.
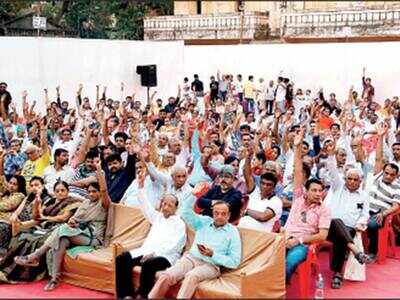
(247, 21)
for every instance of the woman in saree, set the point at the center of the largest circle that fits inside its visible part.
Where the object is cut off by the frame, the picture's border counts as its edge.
(85, 228)
(34, 222)
(12, 194)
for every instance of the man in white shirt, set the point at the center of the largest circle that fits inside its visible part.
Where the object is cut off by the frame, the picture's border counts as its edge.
(68, 140)
(239, 88)
(264, 208)
(349, 207)
(175, 184)
(270, 97)
(161, 249)
(60, 170)
(281, 94)
(152, 189)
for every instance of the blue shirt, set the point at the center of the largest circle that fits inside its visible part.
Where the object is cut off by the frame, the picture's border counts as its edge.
(224, 241)
(198, 173)
(13, 163)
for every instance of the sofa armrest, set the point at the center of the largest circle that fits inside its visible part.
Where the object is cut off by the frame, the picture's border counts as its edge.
(267, 281)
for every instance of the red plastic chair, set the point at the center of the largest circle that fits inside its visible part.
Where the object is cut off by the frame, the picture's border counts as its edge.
(305, 270)
(386, 239)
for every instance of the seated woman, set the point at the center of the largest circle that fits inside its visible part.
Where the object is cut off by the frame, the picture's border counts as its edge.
(85, 228)
(33, 223)
(12, 194)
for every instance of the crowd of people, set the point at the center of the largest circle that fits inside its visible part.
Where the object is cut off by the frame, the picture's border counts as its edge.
(262, 155)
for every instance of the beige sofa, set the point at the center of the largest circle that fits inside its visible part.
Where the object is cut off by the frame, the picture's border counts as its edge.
(260, 274)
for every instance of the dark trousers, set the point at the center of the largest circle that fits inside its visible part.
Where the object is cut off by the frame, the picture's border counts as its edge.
(269, 105)
(240, 97)
(124, 264)
(373, 234)
(340, 235)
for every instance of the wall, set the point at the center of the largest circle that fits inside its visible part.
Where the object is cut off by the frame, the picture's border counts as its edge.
(34, 64)
(334, 66)
(212, 7)
(185, 8)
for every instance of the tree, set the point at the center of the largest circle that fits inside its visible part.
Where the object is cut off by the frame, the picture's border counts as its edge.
(12, 9)
(108, 19)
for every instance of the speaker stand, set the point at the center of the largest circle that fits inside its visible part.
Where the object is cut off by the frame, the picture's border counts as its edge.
(148, 95)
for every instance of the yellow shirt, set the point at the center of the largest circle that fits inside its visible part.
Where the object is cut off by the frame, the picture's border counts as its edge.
(248, 90)
(36, 168)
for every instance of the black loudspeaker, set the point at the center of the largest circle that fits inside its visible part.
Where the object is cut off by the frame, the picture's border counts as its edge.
(148, 75)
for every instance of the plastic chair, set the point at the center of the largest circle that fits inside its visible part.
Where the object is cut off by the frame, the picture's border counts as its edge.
(386, 239)
(304, 270)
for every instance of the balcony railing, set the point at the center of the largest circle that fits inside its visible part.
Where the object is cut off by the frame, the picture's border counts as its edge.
(228, 25)
(297, 23)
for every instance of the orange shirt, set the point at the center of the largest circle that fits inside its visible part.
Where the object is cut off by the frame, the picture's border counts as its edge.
(325, 122)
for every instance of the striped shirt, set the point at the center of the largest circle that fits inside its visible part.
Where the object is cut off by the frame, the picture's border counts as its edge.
(383, 195)
(82, 172)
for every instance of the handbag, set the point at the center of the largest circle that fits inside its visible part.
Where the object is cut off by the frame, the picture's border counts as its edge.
(353, 269)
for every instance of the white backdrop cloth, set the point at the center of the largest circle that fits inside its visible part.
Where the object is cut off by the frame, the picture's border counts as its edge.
(29, 63)
(334, 66)
(35, 63)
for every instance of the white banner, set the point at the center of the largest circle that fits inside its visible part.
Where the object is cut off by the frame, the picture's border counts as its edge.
(33, 64)
(333, 66)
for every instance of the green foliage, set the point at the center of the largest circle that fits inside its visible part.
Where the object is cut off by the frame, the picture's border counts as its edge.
(95, 18)
(10, 9)
(50, 11)
(106, 19)
(129, 23)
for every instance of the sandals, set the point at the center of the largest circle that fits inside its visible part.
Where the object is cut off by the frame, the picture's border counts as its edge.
(51, 285)
(337, 281)
(26, 261)
(361, 257)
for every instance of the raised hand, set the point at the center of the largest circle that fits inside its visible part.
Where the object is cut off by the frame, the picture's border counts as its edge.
(25, 94)
(298, 139)
(382, 128)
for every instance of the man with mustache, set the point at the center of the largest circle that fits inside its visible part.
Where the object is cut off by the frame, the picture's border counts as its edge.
(225, 192)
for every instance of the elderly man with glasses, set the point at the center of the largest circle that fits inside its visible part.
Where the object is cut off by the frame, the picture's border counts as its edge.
(349, 207)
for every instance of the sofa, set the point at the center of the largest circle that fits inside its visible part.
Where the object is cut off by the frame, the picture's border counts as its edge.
(261, 273)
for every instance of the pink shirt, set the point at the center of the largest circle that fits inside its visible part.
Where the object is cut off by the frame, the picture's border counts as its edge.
(306, 220)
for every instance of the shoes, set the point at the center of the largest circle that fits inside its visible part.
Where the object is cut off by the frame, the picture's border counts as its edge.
(371, 258)
(51, 285)
(337, 281)
(362, 258)
(26, 261)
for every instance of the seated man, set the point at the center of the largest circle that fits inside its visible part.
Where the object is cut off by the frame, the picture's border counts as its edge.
(152, 189)
(308, 220)
(225, 192)
(216, 243)
(60, 170)
(119, 177)
(384, 194)
(264, 207)
(349, 207)
(161, 249)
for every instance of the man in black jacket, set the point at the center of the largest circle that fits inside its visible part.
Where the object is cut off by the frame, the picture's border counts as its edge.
(118, 177)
